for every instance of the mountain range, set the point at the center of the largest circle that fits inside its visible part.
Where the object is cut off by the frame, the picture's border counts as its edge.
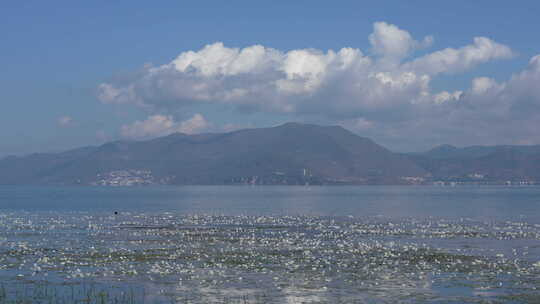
(290, 154)
(493, 164)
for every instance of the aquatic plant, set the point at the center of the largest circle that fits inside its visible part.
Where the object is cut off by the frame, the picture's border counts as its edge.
(62, 258)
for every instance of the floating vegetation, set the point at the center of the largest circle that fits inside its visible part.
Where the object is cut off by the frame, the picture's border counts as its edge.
(47, 292)
(76, 257)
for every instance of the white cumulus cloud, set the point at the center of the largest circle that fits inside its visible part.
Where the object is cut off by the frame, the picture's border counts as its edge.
(338, 83)
(393, 43)
(452, 60)
(161, 125)
(65, 121)
(385, 92)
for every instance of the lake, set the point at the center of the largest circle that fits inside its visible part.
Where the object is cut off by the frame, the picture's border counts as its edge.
(270, 244)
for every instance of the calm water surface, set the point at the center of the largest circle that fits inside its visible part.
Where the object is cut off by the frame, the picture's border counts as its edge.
(377, 244)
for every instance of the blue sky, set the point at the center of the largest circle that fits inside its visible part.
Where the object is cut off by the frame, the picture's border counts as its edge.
(62, 60)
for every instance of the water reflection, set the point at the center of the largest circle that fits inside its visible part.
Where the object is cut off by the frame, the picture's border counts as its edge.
(271, 244)
(388, 201)
(289, 259)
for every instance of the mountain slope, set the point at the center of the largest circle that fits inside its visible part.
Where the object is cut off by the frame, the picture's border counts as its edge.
(449, 151)
(288, 154)
(488, 163)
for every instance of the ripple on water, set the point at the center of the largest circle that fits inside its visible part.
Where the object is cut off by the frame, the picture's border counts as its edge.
(252, 259)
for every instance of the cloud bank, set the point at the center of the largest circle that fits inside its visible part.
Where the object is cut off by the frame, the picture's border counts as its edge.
(385, 92)
(65, 121)
(160, 125)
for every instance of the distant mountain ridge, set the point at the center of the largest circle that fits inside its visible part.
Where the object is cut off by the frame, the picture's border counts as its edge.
(449, 151)
(490, 164)
(289, 154)
(292, 153)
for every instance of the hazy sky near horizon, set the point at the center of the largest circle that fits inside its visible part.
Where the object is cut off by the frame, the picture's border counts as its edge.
(408, 74)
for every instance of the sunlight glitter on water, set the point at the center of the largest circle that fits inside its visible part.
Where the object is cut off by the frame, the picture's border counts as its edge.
(283, 259)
